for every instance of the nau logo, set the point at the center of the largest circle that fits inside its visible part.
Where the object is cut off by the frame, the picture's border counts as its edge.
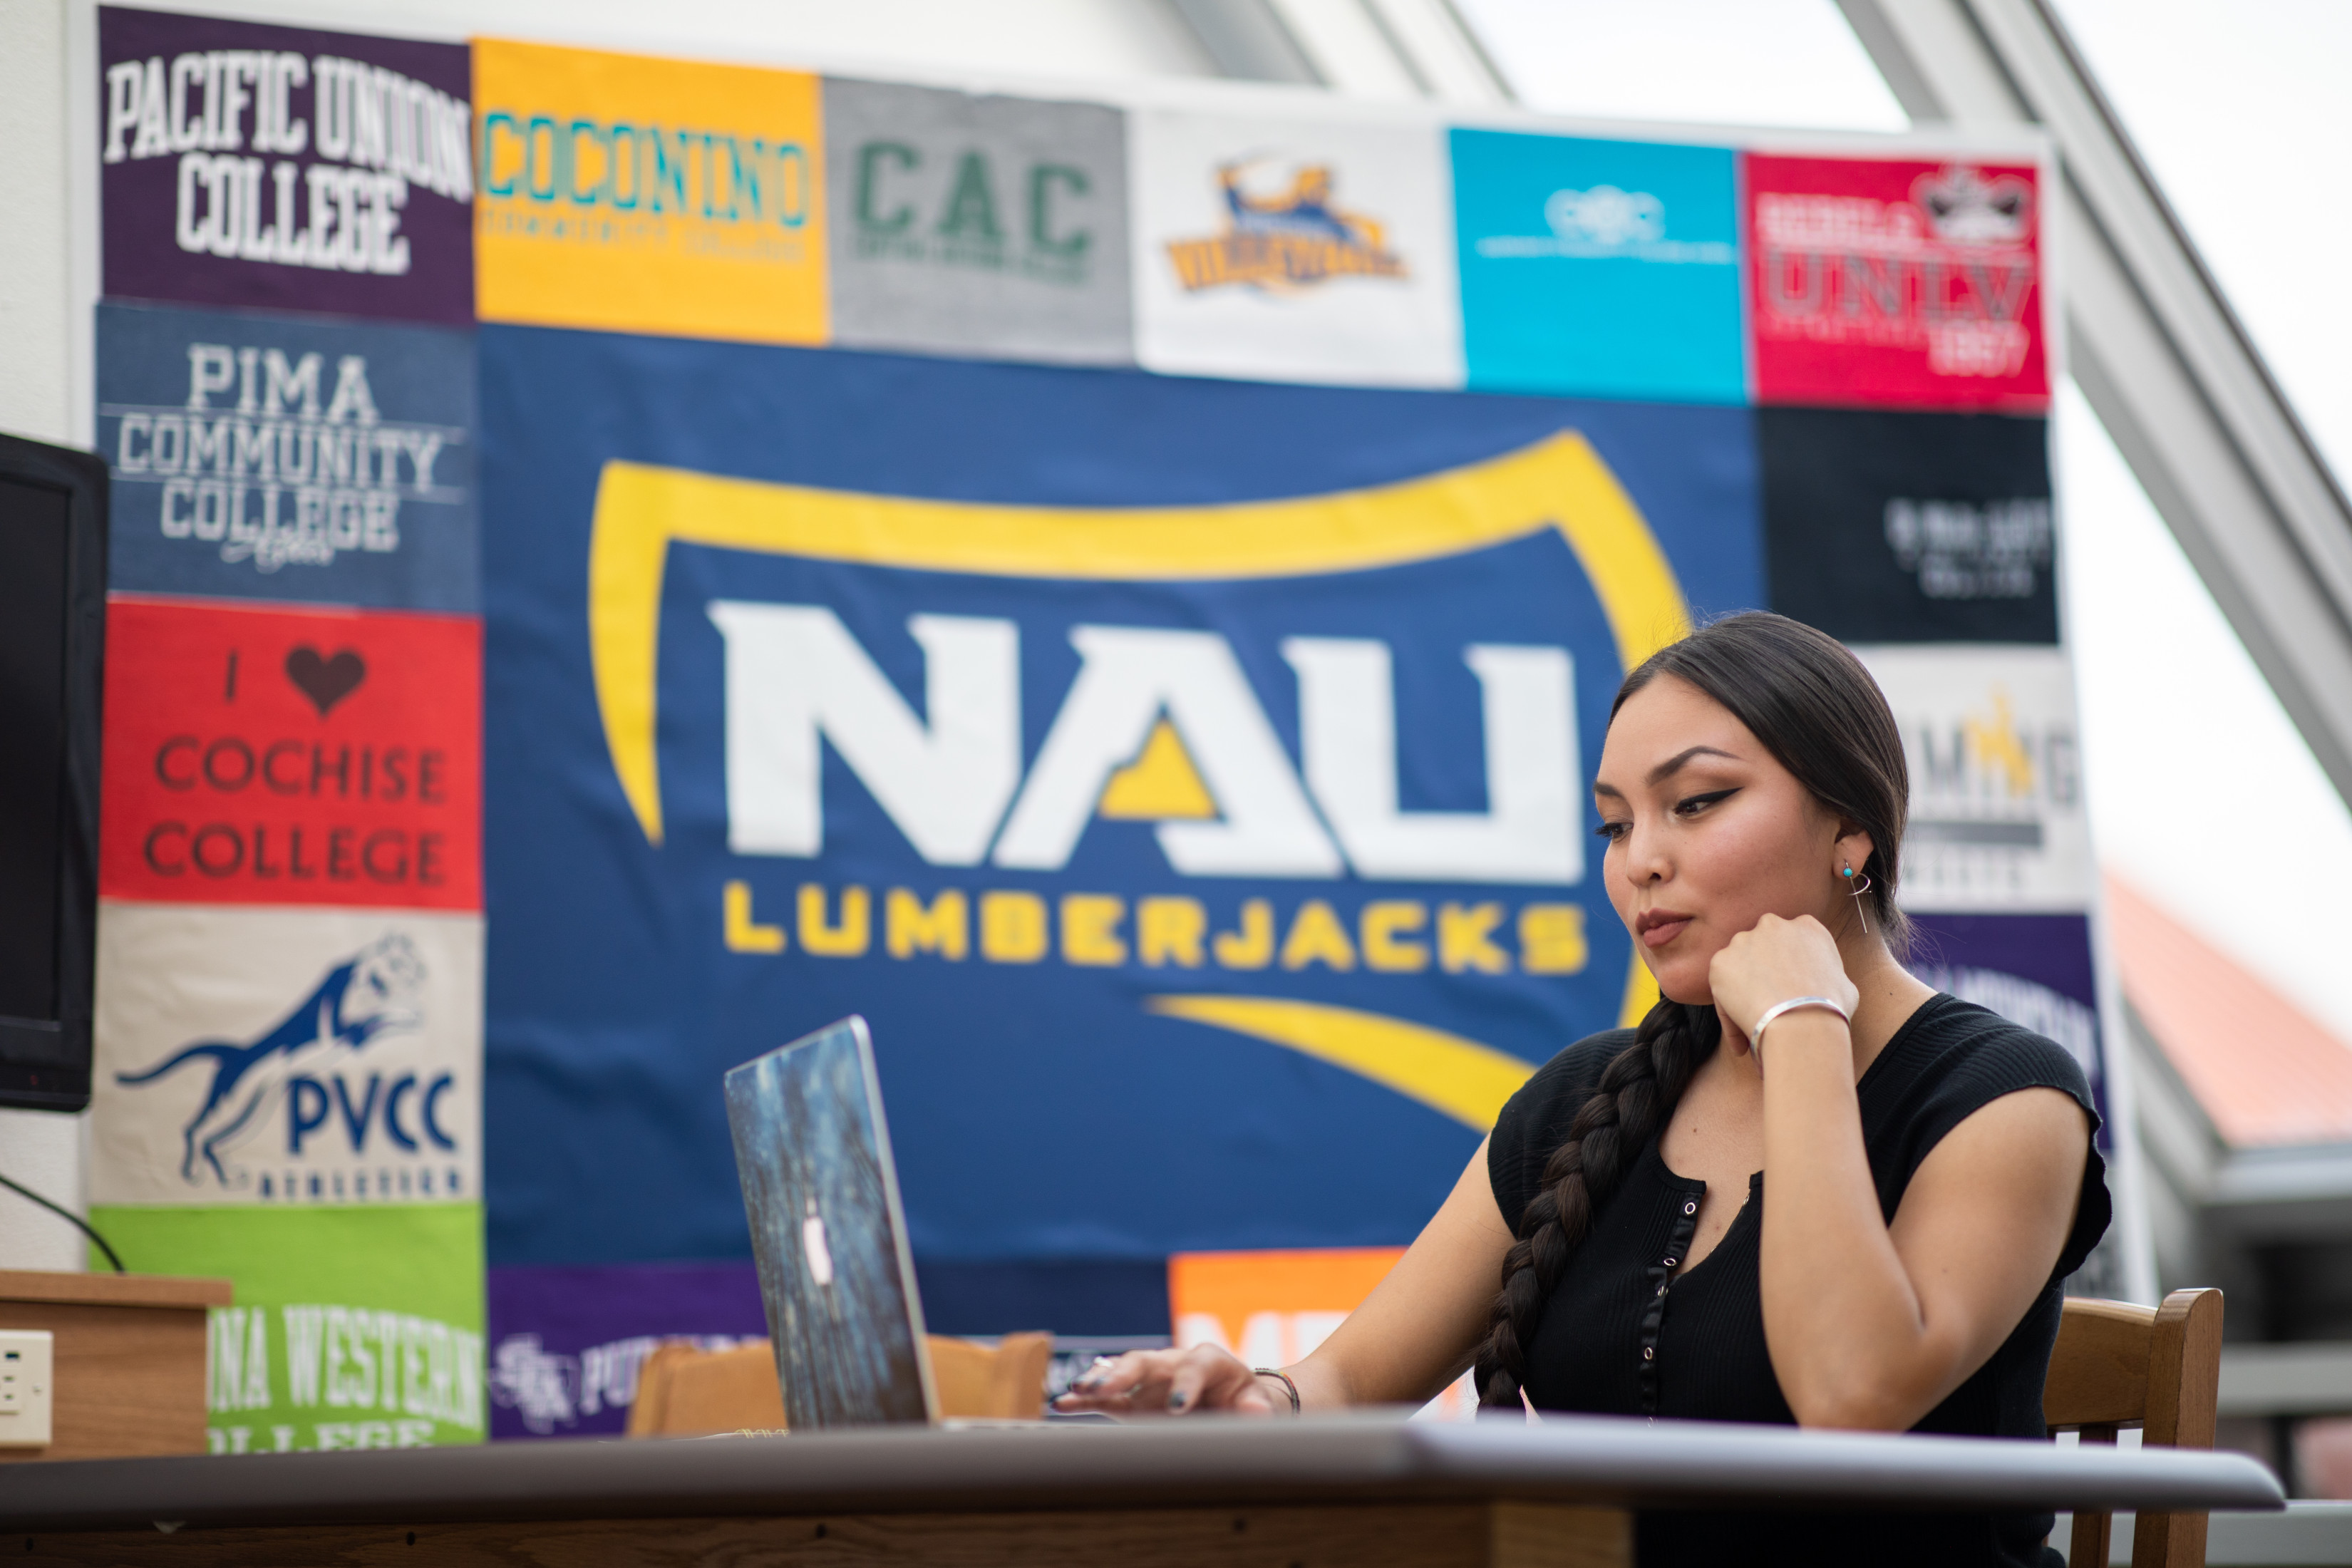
(308, 1062)
(1160, 725)
(1284, 234)
(1157, 724)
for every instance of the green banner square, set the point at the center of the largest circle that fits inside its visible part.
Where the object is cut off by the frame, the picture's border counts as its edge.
(353, 1328)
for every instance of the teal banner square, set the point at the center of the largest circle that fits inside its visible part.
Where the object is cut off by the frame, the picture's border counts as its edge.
(1600, 269)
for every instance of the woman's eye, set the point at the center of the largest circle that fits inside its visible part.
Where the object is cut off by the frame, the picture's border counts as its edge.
(1613, 831)
(1694, 805)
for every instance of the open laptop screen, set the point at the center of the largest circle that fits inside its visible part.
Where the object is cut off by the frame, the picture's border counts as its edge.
(822, 1195)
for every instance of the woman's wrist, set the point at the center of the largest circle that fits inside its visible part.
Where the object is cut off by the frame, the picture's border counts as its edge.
(1788, 1013)
(1289, 1388)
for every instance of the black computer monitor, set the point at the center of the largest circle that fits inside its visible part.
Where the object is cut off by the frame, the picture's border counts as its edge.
(52, 650)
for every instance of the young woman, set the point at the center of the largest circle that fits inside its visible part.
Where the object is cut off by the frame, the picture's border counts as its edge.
(1931, 1174)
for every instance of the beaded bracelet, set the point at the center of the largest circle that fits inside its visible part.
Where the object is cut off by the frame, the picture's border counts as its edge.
(1288, 1386)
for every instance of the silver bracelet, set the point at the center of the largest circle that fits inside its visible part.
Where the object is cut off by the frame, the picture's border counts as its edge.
(1288, 1386)
(1756, 1035)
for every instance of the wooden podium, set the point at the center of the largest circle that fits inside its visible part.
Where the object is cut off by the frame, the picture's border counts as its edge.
(129, 1374)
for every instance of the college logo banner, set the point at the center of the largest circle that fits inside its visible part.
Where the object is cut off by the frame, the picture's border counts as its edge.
(1236, 772)
(1303, 251)
(1605, 268)
(280, 1058)
(641, 194)
(2035, 970)
(567, 1345)
(291, 757)
(278, 457)
(970, 224)
(1997, 811)
(1911, 528)
(283, 167)
(1896, 281)
(353, 1327)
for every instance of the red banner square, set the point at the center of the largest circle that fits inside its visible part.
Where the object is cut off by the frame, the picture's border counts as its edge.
(1896, 284)
(269, 757)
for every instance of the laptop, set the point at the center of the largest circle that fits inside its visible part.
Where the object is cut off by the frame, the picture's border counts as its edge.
(822, 1195)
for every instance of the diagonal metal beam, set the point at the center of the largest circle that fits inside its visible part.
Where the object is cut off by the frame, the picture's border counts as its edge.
(2171, 371)
(1248, 40)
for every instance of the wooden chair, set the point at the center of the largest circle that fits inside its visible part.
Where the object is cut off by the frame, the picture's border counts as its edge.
(683, 1390)
(2117, 1366)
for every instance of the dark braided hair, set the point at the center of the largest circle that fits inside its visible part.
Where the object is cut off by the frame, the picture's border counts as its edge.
(1812, 705)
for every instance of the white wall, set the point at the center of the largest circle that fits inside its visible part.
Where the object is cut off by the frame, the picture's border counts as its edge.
(35, 309)
(1081, 39)
(43, 1150)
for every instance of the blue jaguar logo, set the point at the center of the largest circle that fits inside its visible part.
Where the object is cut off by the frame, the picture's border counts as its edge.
(369, 995)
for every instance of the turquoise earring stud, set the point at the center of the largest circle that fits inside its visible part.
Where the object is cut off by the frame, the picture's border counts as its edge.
(1856, 890)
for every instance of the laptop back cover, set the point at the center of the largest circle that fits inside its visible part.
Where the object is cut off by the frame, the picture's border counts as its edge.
(822, 1195)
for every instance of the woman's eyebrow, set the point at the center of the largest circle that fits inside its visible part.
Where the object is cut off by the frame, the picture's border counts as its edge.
(1675, 763)
(1667, 769)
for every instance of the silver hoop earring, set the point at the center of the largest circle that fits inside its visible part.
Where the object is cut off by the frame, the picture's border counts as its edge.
(1855, 886)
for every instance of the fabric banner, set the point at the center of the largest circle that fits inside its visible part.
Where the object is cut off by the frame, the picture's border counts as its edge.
(649, 195)
(1997, 810)
(353, 1328)
(1251, 788)
(1886, 280)
(1028, 571)
(2033, 969)
(1911, 528)
(2038, 971)
(279, 458)
(969, 224)
(284, 168)
(1293, 250)
(286, 1057)
(282, 756)
(1603, 268)
(1276, 1307)
(567, 1343)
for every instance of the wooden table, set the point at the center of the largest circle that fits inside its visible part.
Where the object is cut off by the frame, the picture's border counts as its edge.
(1319, 1493)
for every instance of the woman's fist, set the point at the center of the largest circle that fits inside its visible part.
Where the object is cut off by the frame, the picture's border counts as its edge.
(1778, 959)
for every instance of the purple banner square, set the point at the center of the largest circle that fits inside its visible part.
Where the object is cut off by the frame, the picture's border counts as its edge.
(284, 168)
(566, 1344)
(2033, 969)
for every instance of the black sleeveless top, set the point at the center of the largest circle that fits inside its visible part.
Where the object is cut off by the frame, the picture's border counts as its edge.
(1621, 1335)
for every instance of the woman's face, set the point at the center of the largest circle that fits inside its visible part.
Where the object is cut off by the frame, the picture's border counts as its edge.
(1707, 833)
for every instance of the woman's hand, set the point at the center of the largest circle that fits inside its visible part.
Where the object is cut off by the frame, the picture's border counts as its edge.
(1761, 968)
(1169, 1383)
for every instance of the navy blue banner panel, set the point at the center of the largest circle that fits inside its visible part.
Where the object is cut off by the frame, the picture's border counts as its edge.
(1189, 780)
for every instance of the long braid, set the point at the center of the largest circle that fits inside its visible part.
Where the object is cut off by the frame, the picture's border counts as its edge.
(1638, 1090)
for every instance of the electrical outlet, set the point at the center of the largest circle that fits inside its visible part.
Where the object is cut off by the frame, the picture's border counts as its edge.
(26, 1387)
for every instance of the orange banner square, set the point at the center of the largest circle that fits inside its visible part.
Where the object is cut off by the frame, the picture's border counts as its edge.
(1271, 1307)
